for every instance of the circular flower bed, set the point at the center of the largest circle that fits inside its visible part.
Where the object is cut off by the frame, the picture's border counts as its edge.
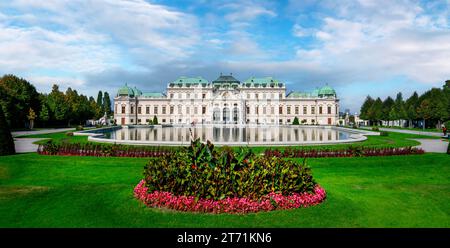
(235, 205)
(202, 178)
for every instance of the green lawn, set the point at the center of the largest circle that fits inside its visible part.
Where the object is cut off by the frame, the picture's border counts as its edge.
(431, 130)
(57, 137)
(57, 191)
(393, 140)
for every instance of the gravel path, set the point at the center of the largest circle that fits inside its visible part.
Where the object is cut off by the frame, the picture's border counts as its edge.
(433, 145)
(23, 145)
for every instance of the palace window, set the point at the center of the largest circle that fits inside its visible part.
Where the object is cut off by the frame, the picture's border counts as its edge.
(281, 122)
(171, 110)
(280, 110)
(164, 121)
(264, 96)
(132, 110)
(305, 111)
(139, 110)
(329, 109)
(131, 120)
(296, 110)
(288, 110)
(248, 110)
(203, 96)
(195, 110)
(180, 110)
(171, 95)
(188, 95)
(139, 121)
(155, 110)
(204, 110)
(264, 110)
(123, 109)
(272, 110)
(147, 110)
(248, 96)
(187, 110)
(164, 110)
(313, 110)
(320, 110)
(256, 95)
(257, 110)
(281, 96)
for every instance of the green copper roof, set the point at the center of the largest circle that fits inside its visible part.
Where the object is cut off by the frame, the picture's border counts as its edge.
(136, 91)
(226, 80)
(187, 82)
(327, 91)
(262, 82)
(125, 91)
(153, 95)
(324, 91)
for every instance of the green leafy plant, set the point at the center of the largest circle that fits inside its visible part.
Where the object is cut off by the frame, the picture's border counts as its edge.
(203, 171)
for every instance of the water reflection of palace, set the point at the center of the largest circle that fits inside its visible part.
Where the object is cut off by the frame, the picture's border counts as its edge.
(231, 134)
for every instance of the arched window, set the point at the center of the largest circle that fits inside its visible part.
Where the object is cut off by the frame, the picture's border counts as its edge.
(216, 115)
(235, 115)
(226, 115)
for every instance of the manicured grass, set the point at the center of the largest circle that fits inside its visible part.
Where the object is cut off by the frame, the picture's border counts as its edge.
(57, 137)
(393, 140)
(431, 130)
(57, 191)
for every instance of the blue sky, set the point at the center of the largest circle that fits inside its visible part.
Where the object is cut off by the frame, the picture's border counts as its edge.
(358, 47)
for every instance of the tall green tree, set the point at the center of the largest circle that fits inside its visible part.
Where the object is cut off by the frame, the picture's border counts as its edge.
(411, 106)
(58, 105)
(100, 98)
(388, 103)
(6, 139)
(424, 111)
(364, 112)
(17, 96)
(106, 103)
(44, 115)
(375, 112)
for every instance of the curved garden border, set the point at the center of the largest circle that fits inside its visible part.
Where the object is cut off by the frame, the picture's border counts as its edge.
(272, 201)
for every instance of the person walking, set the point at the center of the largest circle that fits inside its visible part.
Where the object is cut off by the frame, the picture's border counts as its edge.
(444, 130)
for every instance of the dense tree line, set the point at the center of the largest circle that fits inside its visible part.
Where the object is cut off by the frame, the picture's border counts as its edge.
(431, 108)
(23, 105)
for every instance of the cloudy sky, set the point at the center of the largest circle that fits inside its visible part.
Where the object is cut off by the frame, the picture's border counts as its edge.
(358, 47)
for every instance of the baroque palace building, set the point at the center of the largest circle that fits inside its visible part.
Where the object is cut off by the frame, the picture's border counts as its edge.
(226, 100)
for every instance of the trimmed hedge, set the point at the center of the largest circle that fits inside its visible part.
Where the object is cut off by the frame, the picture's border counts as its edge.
(351, 151)
(100, 150)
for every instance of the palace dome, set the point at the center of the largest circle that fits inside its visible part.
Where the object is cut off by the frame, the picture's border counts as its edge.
(327, 91)
(125, 91)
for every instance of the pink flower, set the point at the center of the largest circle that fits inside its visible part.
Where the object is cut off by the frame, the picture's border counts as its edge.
(232, 205)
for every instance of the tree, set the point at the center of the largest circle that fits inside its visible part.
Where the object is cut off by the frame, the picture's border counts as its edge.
(155, 120)
(399, 108)
(31, 117)
(411, 106)
(6, 139)
(375, 111)
(106, 103)
(16, 97)
(387, 105)
(295, 122)
(100, 99)
(58, 105)
(365, 108)
(424, 111)
(44, 116)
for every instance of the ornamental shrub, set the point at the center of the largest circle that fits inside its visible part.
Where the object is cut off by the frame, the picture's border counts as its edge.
(296, 121)
(375, 129)
(205, 172)
(79, 128)
(6, 139)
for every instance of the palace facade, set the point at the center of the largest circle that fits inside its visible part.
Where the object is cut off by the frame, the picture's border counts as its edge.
(226, 100)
